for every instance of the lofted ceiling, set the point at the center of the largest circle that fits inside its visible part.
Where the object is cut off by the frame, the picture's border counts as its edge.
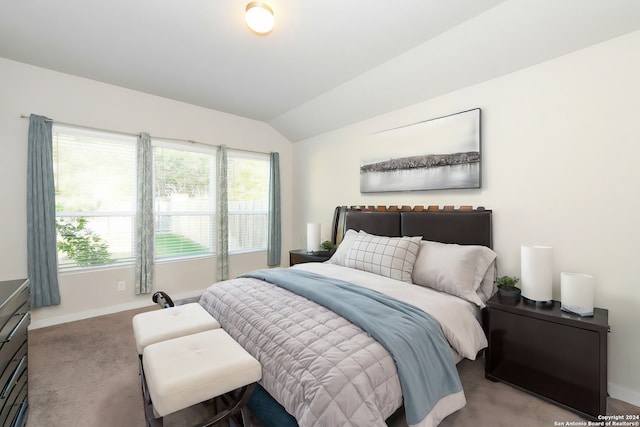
(325, 65)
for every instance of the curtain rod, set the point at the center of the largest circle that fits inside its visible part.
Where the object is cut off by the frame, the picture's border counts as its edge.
(191, 141)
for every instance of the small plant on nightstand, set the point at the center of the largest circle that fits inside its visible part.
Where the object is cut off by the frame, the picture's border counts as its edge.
(507, 287)
(328, 246)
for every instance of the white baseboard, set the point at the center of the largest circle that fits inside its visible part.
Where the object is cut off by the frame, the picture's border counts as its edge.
(625, 394)
(104, 310)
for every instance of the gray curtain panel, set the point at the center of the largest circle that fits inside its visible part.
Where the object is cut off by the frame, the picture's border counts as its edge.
(42, 253)
(222, 215)
(274, 239)
(144, 216)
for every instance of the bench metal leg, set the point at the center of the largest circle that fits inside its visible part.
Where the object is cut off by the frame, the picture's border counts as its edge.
(149, 416)
(235, 401)
(246, 418)
(233, 404)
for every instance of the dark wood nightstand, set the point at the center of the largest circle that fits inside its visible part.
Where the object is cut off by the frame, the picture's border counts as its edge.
(300, 256)
(557, 356)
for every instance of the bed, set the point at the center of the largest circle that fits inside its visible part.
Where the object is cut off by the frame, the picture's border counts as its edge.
(378, 327)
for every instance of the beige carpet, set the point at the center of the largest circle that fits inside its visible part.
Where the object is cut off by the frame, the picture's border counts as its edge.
(85, 374)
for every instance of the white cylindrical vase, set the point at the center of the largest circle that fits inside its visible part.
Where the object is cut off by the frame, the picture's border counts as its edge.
(313, 237)
(536, 273)
(576, 293)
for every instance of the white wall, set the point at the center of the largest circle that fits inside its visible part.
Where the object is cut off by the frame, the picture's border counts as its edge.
(561, 143)
(26, 89)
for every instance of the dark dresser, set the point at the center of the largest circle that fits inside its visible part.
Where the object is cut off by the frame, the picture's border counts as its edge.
(14, 318)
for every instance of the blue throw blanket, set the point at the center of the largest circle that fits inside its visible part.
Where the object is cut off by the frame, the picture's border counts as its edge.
(422, 355)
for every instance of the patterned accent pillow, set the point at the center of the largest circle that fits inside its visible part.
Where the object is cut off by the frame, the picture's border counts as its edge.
(386, 256)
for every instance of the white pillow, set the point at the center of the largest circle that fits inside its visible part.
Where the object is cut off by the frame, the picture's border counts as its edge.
(488, 286)
(341, 252)
(386, 256)
(455, 269)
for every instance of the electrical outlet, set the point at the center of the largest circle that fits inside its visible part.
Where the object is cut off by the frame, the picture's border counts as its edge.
(122, 285)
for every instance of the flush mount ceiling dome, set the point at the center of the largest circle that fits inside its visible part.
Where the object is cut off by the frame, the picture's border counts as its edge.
(259, 17)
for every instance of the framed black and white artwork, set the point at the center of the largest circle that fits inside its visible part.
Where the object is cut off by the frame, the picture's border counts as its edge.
(435, 154)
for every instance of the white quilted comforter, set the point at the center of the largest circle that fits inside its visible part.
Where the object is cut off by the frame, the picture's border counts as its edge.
(322, 369)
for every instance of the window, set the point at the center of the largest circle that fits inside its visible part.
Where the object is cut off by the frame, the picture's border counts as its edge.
(248, 199)
(184, 200)
(95, 180)
(95, 184)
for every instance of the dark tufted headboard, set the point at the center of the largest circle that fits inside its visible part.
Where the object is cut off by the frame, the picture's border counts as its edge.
(464, 225)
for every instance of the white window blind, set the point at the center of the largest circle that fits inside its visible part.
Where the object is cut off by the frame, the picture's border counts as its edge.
(248, 199)
(94, 176)
(184, 200)
(95, 179)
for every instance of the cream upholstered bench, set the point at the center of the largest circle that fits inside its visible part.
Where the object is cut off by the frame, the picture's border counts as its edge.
(185, 358)
(185, 371)
(161, 325)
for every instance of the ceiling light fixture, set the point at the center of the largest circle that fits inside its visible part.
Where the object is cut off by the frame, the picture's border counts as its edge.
(259, 17)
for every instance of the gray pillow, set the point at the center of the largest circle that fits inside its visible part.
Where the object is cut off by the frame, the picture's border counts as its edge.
(458, 270)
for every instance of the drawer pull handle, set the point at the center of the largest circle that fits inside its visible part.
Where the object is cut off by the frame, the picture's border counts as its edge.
(17, 327)
(22, 414)
(12, 381)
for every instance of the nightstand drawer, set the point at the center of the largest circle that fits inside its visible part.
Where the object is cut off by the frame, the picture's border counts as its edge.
(301, 256)
(541, 364)
(556, 356)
